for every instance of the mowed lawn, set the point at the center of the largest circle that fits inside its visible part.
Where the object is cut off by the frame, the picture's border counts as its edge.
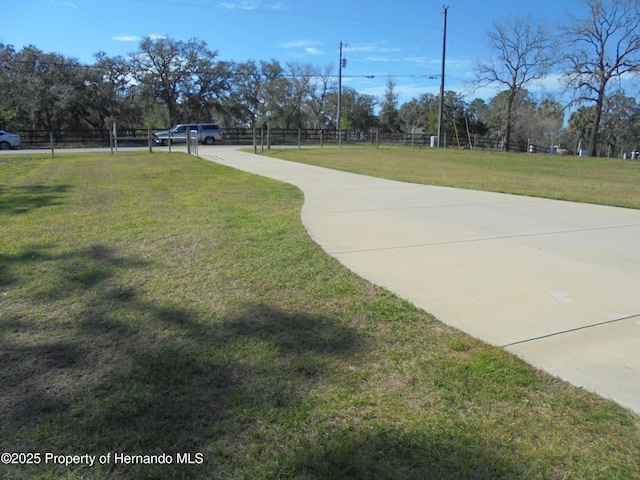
(591, 180)
(157, 305)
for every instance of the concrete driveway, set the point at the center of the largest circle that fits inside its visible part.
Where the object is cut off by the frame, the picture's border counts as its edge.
(556, 283)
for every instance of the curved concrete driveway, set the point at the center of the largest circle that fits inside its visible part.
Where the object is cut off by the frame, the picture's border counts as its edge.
(556, 283)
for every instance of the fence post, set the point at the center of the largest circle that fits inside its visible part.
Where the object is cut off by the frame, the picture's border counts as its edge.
(149, 139)
(53, 154)
(299, 138)
(269, 137)
(115, 135)
(255, 142)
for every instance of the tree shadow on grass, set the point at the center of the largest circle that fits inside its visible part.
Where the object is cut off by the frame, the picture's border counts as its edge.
(18, 200)
(392, 453)
(93, 364)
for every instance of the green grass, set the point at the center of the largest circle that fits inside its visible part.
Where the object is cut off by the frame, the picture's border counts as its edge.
(580, 179)
(158, 303)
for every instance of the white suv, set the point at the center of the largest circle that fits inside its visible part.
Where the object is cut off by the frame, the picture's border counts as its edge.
(9, 140)
(208, 133)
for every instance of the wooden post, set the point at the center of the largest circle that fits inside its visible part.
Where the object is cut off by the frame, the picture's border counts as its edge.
(255, 142)
(269, 137)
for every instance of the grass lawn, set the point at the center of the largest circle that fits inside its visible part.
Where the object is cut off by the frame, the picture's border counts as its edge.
(590, 180)
(158, 304)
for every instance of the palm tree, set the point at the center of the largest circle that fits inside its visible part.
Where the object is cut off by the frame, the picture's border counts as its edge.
(579, 123)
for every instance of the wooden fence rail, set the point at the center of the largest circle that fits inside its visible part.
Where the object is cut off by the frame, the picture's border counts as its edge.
(245, 136)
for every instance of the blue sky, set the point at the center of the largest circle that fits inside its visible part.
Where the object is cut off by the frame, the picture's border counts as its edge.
(401, 40)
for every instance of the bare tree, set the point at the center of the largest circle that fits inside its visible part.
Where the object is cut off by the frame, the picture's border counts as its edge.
(606, 46)
(300, 85)
(322, 85)
(522, 55)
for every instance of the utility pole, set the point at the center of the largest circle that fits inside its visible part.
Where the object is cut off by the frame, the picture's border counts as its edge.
(343, 63)
(444, 54)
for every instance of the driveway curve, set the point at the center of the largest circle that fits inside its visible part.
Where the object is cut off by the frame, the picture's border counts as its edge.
(556, 283)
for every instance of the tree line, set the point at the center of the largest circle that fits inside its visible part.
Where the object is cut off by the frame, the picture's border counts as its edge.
(166, 81)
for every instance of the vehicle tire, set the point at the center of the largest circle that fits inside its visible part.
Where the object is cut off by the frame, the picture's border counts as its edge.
(5, 146)
(209, 141)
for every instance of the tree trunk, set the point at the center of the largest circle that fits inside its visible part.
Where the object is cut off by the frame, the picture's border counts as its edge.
(507, 127)
(593, 138)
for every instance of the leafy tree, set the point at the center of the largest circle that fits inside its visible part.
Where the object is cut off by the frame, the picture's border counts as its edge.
(458, 119)
(358, 111)
(522, 108)
(274, 92)
(420, 113)
(173, 72)
(409, 115)
(548, 121)
(9, 116)
(109, 93)
(389, 115)
(619, 122)
(47, 89)
(605, 45)
(579, 123)
(246, 103)
(477, 114)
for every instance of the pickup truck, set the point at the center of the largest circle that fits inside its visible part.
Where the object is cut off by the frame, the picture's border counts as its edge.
(208, 134)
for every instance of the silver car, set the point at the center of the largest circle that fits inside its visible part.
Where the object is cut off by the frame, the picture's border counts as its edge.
(208, 133)
(9, 140)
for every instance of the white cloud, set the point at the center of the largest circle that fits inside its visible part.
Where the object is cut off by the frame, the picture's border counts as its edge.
(378, 59)
(301, 44)
(126, 38)
(310, 47)
(251, 5)
(378, 47)
(245, 5)
(65, 4)
(135, 38)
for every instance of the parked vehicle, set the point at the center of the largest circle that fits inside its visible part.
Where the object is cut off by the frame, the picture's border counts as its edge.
(9, 140)
(208, 134)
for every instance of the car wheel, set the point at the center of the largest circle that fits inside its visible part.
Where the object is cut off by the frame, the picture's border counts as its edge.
(209, 141)
(5, 146)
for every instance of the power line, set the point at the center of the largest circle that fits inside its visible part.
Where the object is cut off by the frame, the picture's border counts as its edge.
(289, 14)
